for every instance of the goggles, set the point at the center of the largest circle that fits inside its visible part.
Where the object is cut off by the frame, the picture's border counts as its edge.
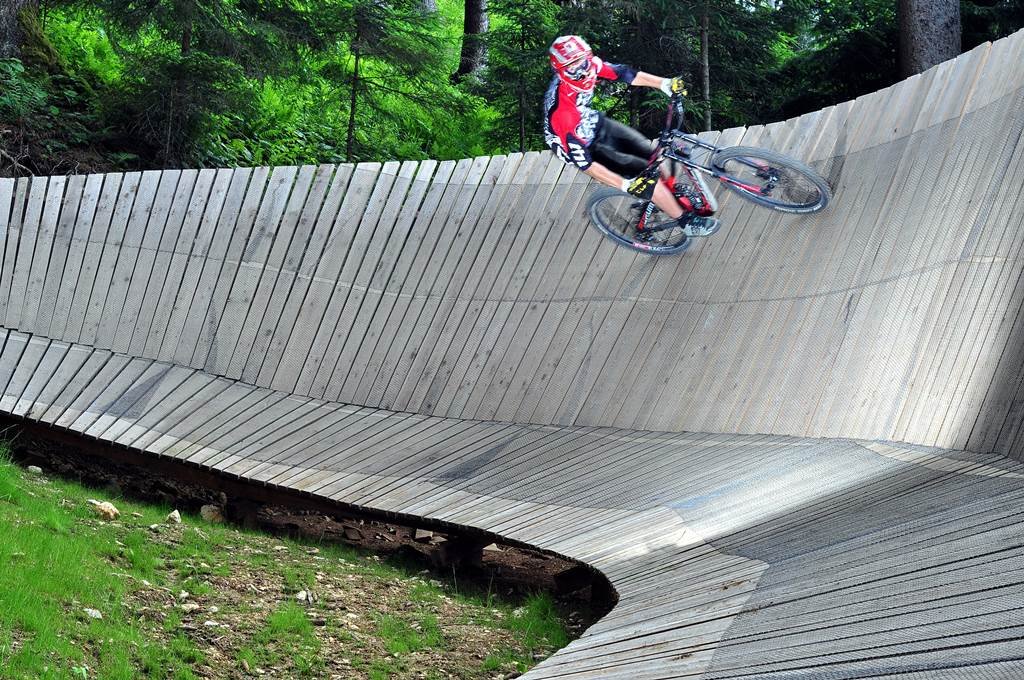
(578, 70)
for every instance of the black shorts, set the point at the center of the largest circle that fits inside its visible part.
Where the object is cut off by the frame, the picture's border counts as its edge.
(620, 148)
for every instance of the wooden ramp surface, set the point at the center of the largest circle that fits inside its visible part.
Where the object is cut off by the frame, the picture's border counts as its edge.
(794, 451)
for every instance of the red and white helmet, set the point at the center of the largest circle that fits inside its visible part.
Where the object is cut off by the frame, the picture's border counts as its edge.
(573, 61)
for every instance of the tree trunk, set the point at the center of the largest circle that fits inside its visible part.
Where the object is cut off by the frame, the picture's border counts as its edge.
(186, 38)
(474, 49)
(522, 117)
(351, 134)
(929, 33)
(522, 92)
(705, 66)
(11, 36)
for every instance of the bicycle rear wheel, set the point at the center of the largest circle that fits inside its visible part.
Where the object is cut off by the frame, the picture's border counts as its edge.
(771, 179)
(634, 223)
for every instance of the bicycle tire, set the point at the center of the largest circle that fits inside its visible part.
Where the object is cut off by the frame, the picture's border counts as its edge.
(611, 213)
(814, 192)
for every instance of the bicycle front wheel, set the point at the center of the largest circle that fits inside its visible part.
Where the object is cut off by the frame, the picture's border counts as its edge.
(634, 223)
(771, 179)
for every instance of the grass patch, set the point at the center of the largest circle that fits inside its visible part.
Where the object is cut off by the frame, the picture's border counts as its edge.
(287, 638)
(240, 614)
(402, 637)
(538, 623)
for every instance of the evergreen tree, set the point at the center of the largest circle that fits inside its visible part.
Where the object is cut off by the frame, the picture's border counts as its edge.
(396, 57)
(989, 19)
(665, 37)
(844, 48)
(187, 64)
(518, 71)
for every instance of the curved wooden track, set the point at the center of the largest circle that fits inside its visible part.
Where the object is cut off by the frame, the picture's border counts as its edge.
(794, 451)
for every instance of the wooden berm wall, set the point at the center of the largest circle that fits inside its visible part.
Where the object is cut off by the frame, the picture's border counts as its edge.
(776, 446)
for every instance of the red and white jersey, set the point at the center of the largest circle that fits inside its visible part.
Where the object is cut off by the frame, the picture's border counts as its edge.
(570, 123)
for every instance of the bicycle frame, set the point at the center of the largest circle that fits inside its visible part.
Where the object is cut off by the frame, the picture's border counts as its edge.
(666, 149)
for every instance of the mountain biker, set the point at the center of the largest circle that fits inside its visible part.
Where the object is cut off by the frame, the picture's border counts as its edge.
(610, 152)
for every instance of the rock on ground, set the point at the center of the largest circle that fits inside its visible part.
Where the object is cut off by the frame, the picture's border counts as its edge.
(104, 509)
(211, 513)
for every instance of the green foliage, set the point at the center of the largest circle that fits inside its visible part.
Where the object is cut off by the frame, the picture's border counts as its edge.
(173, 103)
(21, 95)
(401, 637)
(286, 634)
(989, 19)
(61, 559)
(848, 49)
(517, 72)
(539, 623)
(123, 84)
(232, 82)
(10, 490)
(36, 48)
(78, 33)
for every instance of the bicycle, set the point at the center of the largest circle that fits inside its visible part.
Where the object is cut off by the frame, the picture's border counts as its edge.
(767, 178)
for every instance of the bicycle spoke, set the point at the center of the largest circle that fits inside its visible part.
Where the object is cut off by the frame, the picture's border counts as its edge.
(771, 179)
(637, 224)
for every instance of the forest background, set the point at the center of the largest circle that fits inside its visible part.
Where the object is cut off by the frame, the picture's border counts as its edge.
(102, 85)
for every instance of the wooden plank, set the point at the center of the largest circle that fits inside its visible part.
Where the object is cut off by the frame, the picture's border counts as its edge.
(95, 235)
(338, 425)
(562, 188)
(510, 239)
(128, 243)
(31, 227)
(156, 253)
(9, 231)
(147, 395)
(52, 278)
(98, 382)
(388, 322)
(110, 399)
(197, 325)
(208, 420)
(514, 277)
(372, 279)
(340, 225)
(404, 356)
(35, 357)
(271, 274)
(73, 387)
(63, 290)
(374, 229)
(44, 389)
(247, 262)
(11, 237)
(190, 249)
(139, 392)
(245, 428)
(461, 275)
(210, 328)
(110, 238)
(164, 420)
(305, 247)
